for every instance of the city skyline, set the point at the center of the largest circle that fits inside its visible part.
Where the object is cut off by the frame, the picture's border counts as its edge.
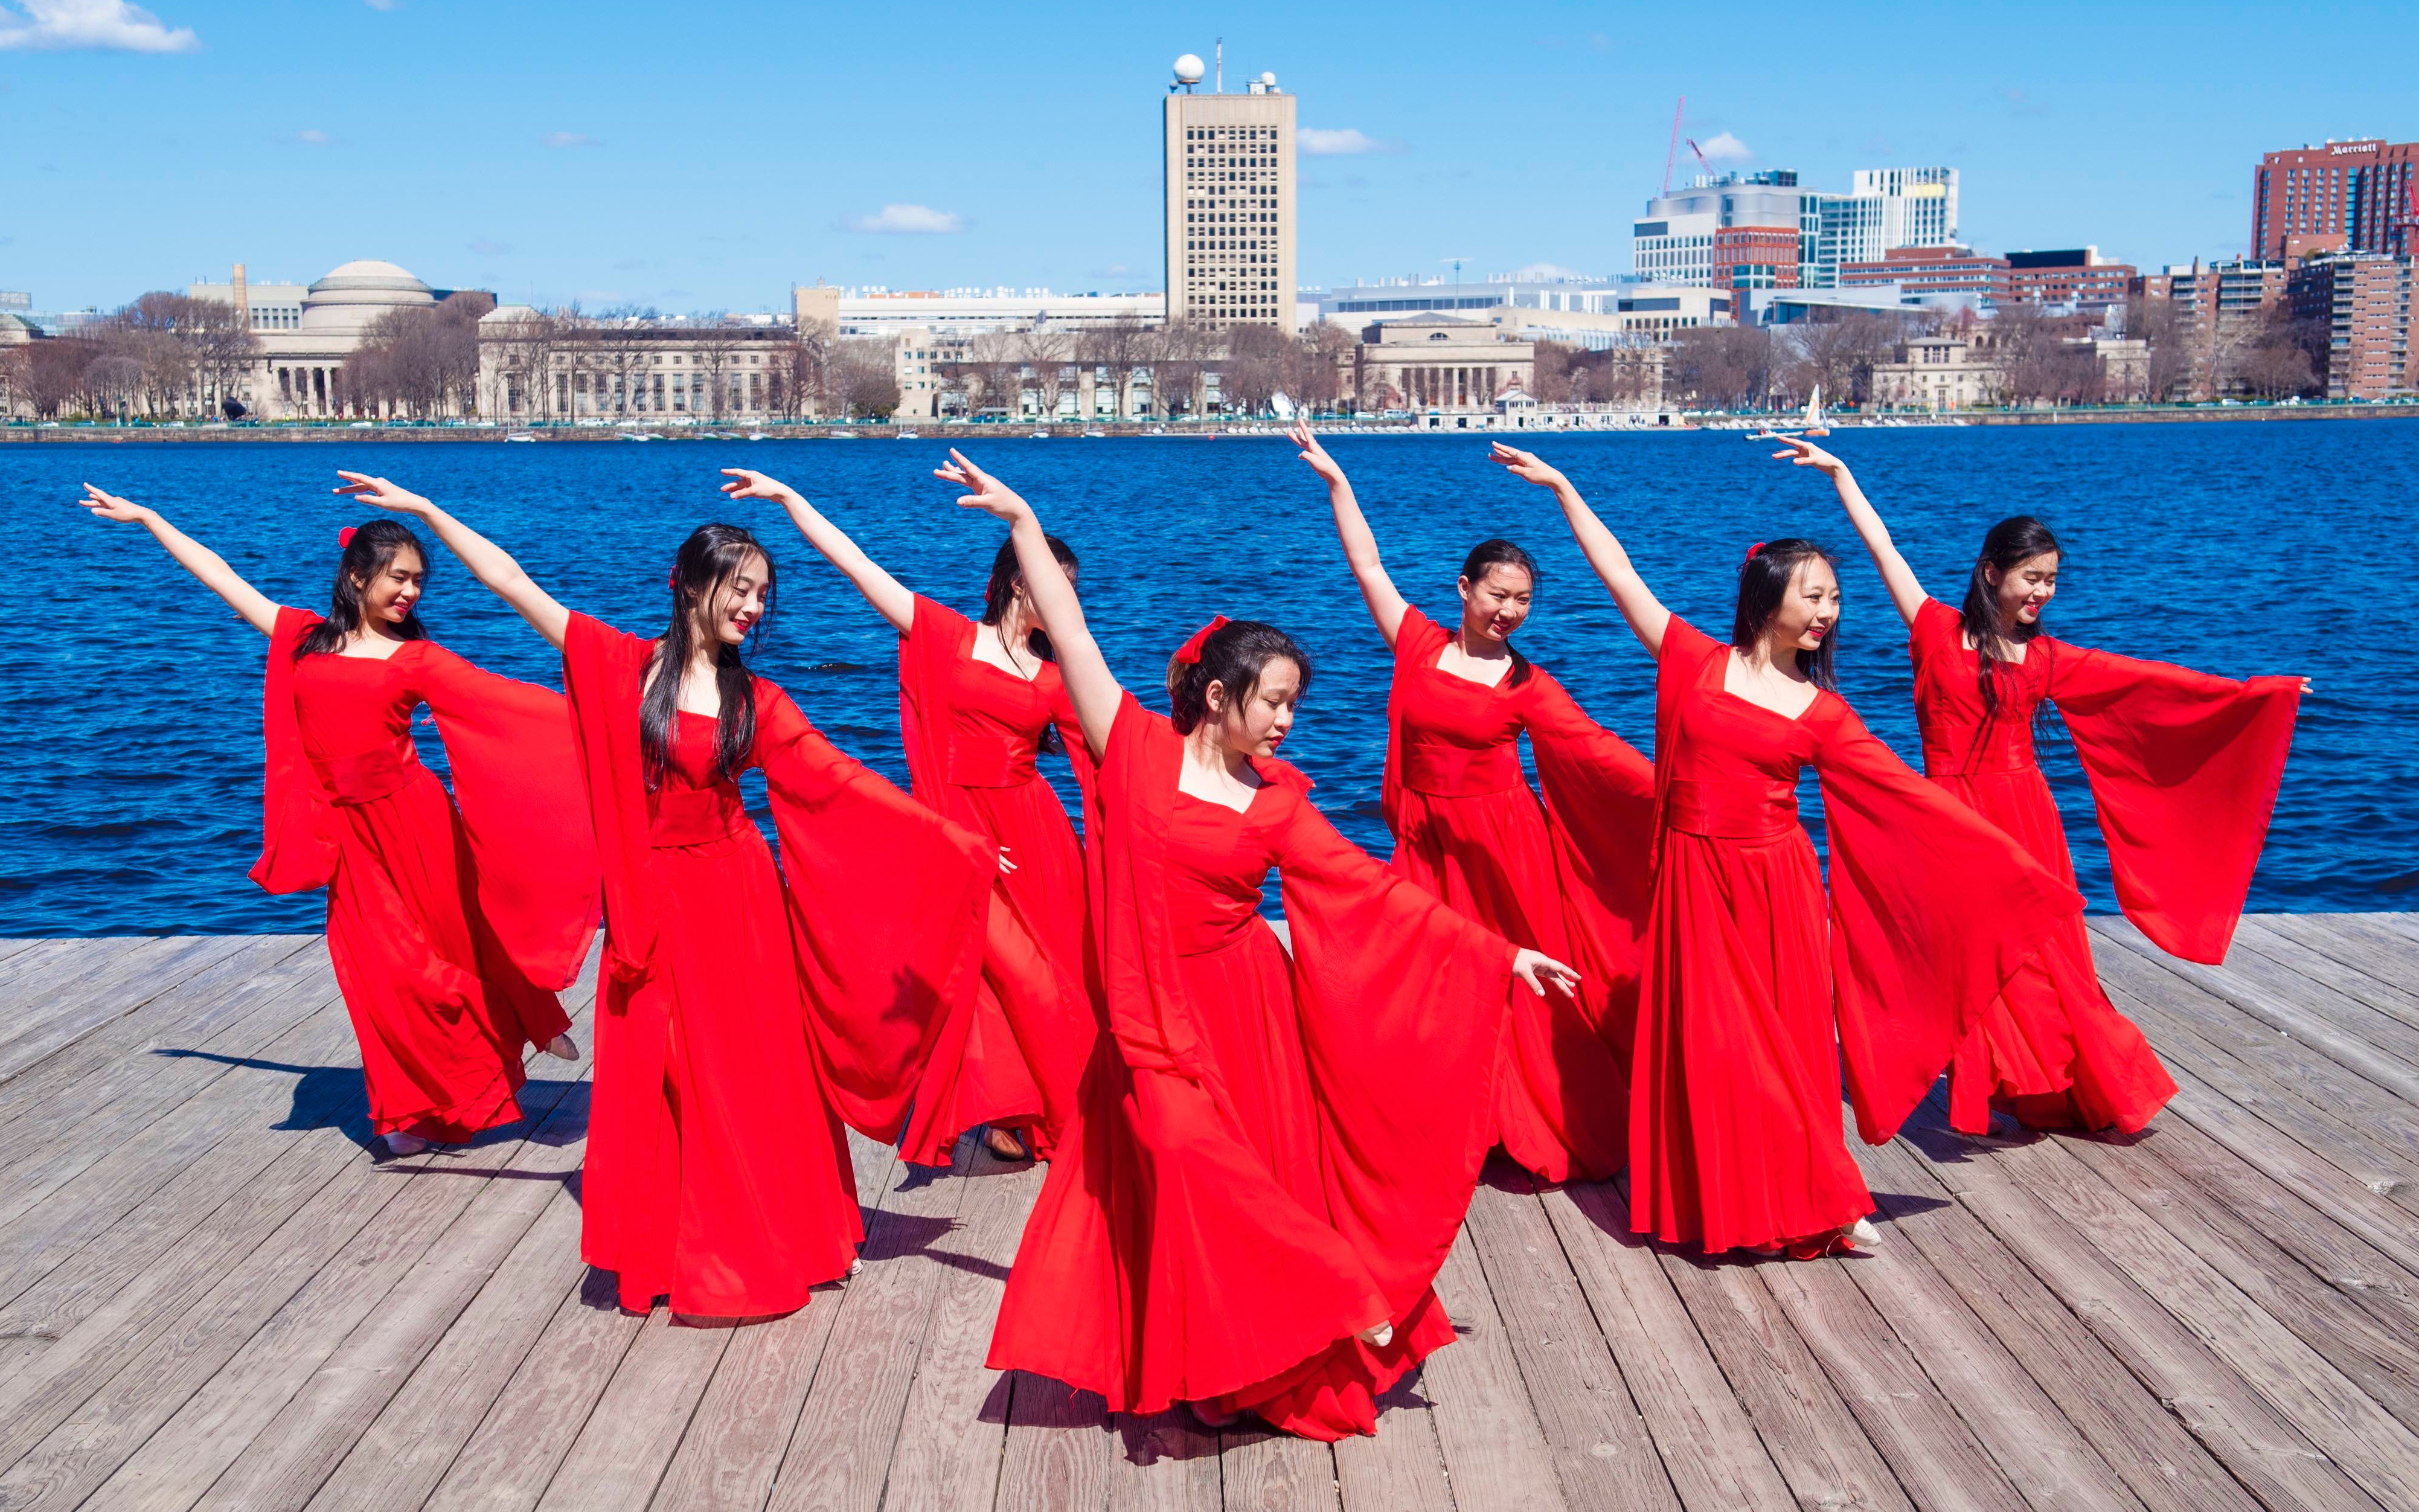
(596, 154)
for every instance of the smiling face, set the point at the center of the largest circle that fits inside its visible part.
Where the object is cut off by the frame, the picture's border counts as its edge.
(388, 595)
(2025, 590)
(729, 613)
(1809, 611)
(1257, 723)
(1497, 603)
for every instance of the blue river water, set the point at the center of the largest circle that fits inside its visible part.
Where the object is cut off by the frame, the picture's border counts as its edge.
(134, 780)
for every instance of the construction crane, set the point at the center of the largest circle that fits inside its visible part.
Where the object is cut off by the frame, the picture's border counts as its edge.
(1700, 157)
(1672, 153)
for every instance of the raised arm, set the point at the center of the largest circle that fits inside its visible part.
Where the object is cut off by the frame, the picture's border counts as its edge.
(258, 609)
(489, 562)
(1905, 590)
(1645, 614)
(1386, 606)
(1090, 686)
(888, 594)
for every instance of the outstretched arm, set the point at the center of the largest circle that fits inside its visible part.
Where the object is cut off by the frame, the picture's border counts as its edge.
(1090, 686)
(1645, 614)
(489, 562)
(258, 609)
(888, 596)
(1386, 606)
(1905, 589)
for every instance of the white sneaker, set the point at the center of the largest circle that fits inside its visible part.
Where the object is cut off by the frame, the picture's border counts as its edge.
(400, 1143)
(1864, 1235)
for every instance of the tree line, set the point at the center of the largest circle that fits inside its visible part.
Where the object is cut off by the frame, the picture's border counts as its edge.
(163, 357)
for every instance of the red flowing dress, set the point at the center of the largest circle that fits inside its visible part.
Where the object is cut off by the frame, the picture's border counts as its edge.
(2184, 768)
(1015, 1053)
(1279, 1150)
(1735, 1134)
(1567, 876)
(747, 1014)
(450, 928)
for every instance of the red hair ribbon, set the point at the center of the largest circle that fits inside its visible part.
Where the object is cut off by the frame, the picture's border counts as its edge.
(1190, 653)
(1753, 549)
(344, 538)
(671, 579)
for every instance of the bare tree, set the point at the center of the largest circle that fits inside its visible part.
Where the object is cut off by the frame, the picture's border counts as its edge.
(1180, 356)
(1839, 354)
(1729, 367)
(1120, 349)
(715, 348)
(1047, 353)
(866, 381)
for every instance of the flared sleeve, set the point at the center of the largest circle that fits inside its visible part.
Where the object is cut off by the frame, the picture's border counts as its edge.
(1418, 642)
(1599, 796)
(1126, 813)
(602, 671)
(887, 903)
(936, 635)
(515, 771)
(1402, 1004)
(296, 856)
(2184, 769)
(1933, 909)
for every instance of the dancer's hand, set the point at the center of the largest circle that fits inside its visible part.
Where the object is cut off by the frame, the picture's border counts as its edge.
(1536, 968)
(1314, 454)
(1528, 467)
(1006, 866)
(385, 495)
(984, 492)
(1806, 454)
(749, 483)
(110, 507)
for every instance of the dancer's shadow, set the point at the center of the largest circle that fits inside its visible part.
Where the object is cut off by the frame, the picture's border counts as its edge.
(325, 1097)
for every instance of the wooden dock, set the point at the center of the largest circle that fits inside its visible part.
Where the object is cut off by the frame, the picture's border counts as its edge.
(211, 1296)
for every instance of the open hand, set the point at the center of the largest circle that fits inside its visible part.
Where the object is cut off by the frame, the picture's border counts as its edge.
(983, 491)
(1806, 454)
(1528, 467)
(749, 483)
(110, 507)
(1314, 454)
(1537, 969)
(1006, 866)
(385, 495)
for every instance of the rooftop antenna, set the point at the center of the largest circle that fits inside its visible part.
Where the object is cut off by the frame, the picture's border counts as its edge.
(1672, 152)
(1222, 68)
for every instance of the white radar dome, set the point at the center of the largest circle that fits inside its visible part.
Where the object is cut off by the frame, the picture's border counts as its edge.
(1267, 81)
(1189, 69)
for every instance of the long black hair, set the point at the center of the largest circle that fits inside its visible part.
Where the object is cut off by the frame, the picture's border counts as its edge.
(1236, 655)
(1005, 574)
(708, 559)
(1763, 582)
(1502, 553)
(370, 548)
(2009, 544)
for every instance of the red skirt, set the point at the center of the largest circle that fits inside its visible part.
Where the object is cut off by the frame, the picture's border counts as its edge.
(1736, 1123)
(717, 1173)
(2051, 1050)
(1016, 1054)
(1180, 1249)
(440, 1011)
(1560, 1092)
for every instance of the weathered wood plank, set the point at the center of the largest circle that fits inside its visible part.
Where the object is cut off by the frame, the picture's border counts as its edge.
(622, 1449)
(2161, 1465)
(58, 1020)
(2236, 1423)
(2311, 949)
(1167, 1462)
(1266, 1472)
(1399, 1469)
(1495, 1449)
(1597, 1441)
(950, 1456)
(1060, 1453)
(1814, 1438)
(1709, 1448)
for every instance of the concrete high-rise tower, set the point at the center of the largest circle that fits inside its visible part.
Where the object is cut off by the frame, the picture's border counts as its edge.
(1230, 203)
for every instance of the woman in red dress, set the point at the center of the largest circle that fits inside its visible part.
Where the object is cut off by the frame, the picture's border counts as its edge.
(450, 928)
(1566, 876)
(2184, 770)
(1735, 1139)
(745, 1016)
(977, 701)
(1267, 1171)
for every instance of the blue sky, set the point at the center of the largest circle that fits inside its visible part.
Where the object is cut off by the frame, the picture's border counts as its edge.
(698, 154)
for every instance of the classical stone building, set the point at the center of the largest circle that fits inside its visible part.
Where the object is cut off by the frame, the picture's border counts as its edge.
(536, 367)
(1440, 362)
(303, 344)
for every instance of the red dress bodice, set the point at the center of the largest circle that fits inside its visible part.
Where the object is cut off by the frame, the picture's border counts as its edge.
(995, 722)
(1460, 738)
(1218, 863)
(1735, 766)
(1960, 737)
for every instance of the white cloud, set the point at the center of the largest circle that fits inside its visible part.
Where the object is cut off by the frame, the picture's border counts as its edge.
(113, 24)
(1343, 142)
(568, 139)
(314, 137)
(1726, 149)
(912, 219)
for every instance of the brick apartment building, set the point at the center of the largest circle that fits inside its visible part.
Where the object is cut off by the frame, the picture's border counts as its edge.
(1932, 270)
(2362, 305)
(2075, 276)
